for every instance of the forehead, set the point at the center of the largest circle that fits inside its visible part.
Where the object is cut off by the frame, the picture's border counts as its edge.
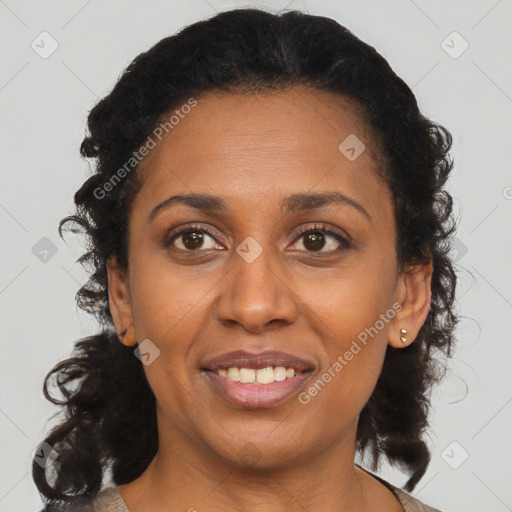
(253, 147)
(298, 119)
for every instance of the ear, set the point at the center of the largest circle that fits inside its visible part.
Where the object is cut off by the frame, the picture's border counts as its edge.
(119, 301)
(414, 294)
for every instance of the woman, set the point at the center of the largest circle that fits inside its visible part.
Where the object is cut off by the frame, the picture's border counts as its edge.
(268, 246)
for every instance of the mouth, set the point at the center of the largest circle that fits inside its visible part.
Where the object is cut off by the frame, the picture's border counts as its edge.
(257, 380)
(258, 377)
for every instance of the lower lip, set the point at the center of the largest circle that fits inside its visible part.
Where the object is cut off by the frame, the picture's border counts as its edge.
(254, 395)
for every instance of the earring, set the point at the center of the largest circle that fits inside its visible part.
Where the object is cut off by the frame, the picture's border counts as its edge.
(127, 340)
(403, 337)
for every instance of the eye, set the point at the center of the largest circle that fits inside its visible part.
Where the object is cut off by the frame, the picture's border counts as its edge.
(316, 238)
(191, 238)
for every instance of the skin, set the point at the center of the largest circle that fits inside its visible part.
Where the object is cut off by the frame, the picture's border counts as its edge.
(253, 151)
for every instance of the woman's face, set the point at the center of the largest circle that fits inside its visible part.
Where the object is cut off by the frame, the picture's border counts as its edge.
(255, 292)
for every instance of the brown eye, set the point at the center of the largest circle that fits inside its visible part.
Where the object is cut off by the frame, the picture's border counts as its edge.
(192, 239)
(315, 239)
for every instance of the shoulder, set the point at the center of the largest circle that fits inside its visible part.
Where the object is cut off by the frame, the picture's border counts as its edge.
(409, 503)
(107, 500)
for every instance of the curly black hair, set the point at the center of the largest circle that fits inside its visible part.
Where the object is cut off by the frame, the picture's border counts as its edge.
(109, 411)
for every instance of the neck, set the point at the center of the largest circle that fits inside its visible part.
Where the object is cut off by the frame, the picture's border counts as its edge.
(185, 475)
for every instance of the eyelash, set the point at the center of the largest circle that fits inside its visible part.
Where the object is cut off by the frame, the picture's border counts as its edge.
(345, 244)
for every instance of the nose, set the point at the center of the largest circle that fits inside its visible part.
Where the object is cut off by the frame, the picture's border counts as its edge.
(256, 295)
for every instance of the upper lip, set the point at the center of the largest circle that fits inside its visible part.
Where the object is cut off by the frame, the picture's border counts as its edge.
(244, 359)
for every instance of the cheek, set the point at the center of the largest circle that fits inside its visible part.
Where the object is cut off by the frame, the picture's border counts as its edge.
(356, 311)
(352, 363)
(351, 300)
(167, 299)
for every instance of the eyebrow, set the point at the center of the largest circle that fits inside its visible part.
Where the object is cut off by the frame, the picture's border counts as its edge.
(291, 204)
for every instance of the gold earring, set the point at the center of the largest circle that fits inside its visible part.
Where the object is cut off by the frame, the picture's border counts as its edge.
(127, 340)
(403, 337)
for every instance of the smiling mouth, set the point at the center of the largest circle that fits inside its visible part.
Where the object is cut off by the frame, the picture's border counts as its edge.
(261, 376)
(257, 380)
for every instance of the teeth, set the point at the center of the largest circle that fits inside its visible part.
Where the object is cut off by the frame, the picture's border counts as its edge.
(265, 375)
(247, 375)
(262, 376)
(234, 374)
(280, 373)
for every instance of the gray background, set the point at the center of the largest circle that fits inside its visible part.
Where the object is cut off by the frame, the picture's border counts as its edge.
(44, 103)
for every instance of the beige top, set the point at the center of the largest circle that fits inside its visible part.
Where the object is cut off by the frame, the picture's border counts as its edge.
(109, 500)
